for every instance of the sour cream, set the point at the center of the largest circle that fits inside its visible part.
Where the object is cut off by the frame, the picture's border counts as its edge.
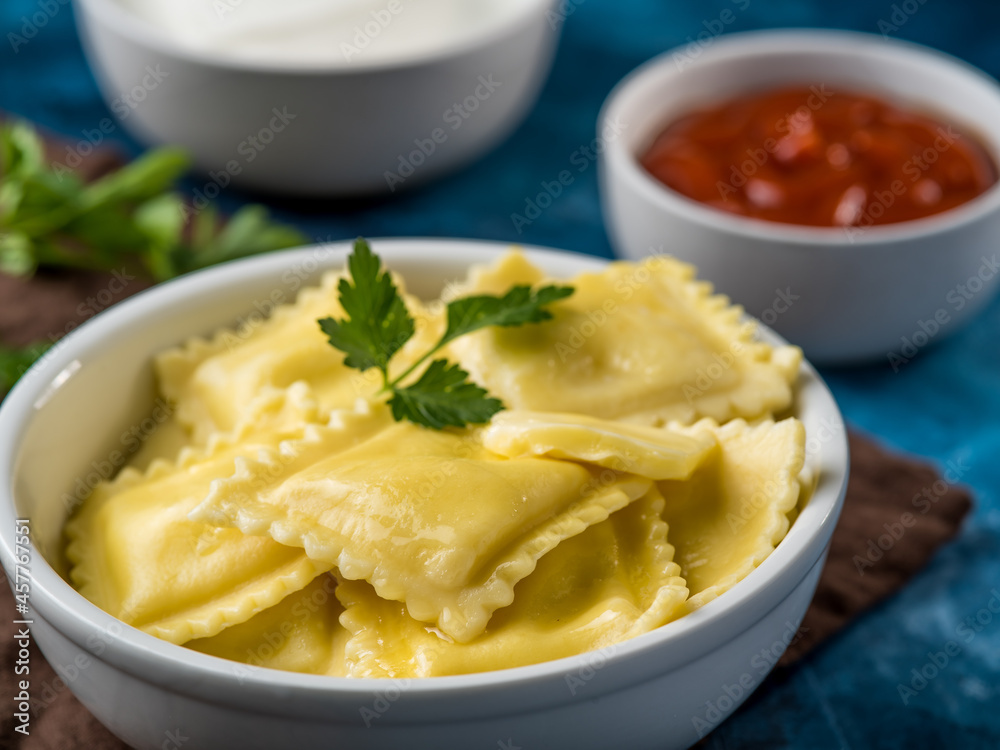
(321, 31)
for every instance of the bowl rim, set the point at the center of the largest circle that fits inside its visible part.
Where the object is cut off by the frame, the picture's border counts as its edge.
(730, 49)
(153, 660)
(114, 15)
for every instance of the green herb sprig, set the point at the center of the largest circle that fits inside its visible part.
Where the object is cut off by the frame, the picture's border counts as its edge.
(130, 218)
(14, 361)
(378, 325)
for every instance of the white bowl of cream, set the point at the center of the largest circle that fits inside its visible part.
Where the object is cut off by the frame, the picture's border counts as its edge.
(79, 401)
(320, 98)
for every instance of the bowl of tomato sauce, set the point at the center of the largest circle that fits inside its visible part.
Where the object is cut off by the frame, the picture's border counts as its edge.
(842, 187)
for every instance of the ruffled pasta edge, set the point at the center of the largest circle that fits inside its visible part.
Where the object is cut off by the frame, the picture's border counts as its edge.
(462, 616)
(784, 507)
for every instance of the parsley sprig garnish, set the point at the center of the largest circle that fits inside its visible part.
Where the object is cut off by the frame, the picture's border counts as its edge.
(131, 218)
(378, 325)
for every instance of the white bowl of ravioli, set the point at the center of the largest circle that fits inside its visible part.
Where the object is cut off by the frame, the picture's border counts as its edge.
(599, 565)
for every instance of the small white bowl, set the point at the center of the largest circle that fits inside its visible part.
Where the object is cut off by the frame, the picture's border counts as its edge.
(659, 690)
(351, 127)
(844, 296)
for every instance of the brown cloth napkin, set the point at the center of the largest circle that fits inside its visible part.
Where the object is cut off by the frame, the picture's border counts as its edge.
(886, 499)
(882, 499)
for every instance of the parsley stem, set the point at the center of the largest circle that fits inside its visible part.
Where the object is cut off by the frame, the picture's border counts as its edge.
(409, 370)
(378, 325)
(50, 221)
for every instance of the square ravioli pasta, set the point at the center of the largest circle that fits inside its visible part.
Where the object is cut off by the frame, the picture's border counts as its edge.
(431, 519)
(212, 381)
(613, 581)
(301, 633)
(643, 342)
(136, 554)
(621, 487)
(731, 513)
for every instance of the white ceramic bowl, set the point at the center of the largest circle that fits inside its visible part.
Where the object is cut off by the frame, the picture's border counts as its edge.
(73, 408)
(333, 129)
(843, 296)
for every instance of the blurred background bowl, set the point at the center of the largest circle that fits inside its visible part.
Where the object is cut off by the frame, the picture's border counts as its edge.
(844, 295)
(352, 127)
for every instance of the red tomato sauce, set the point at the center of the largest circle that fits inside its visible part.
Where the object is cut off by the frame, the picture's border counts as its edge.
(820, 157)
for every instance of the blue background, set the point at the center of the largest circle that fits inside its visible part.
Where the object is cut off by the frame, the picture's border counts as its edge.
(944, 405)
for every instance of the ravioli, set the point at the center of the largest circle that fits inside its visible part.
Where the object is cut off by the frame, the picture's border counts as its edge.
(612, 582)
(302, 633)
(732, 512)
(213, 381)
(431, 519)
(652, 452)
(279, 517)
(695, 356)
(137, 555)
(165, 441)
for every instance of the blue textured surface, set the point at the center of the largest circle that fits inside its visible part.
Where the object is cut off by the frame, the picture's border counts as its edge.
(944, 405)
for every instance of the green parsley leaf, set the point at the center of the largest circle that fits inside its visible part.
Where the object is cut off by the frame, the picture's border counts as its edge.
(21, 150)
(15, 361)
(145, 178)
(161, 221)
(128, 218)
(249, 231)
(377, 323)
(518, 306)
(150, 175)
(443, 397)
(16, 257)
